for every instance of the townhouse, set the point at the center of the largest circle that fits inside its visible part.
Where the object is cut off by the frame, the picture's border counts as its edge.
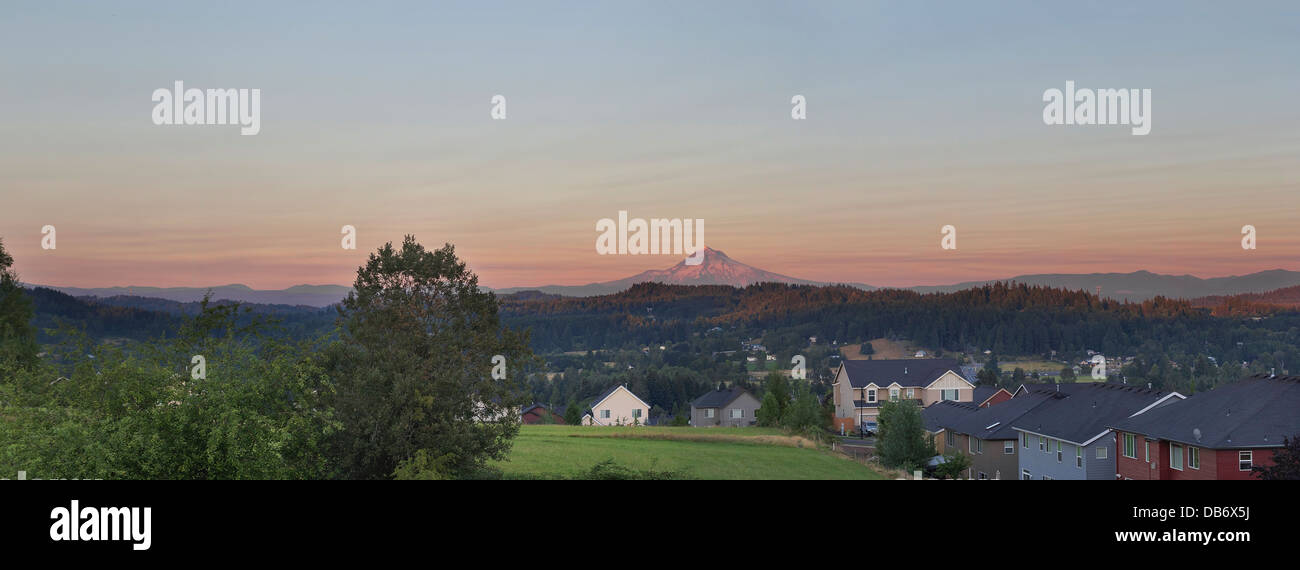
(1069, 436)
(1220, 434)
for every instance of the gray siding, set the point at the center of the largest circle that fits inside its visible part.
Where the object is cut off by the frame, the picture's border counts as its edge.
(1044, 463)
(746, 403)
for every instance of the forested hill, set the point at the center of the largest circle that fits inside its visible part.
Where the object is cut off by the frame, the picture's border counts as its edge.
(1005, 318)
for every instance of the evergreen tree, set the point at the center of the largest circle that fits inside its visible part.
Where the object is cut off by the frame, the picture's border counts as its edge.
(17, 338)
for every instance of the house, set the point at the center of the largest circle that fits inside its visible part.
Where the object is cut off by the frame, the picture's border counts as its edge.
(731, 407)
(860, 386)
(1219, 434)
(986, 437)
(941, 414)
(617, 406)
(1069, 436)
(985, 396)
(537, 414)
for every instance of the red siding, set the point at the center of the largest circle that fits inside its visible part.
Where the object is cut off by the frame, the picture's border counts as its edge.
(1216, 464)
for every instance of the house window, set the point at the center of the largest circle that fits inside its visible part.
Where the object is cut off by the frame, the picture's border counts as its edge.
(1059, 456)
(1078, 456)
(1146, 447)
(1245, 460)
(737, 413)
(983, 476)
(893, 394)
(1009, 447)
(948, 395)
(950, 438)
(708, 413)
(1130, 446)
(636, 413)
(911, 393)
(604, 414)
(1101, 453)
(1194, 457)
(1175, 456)
(871, 396)
(1024, 440)
(1042, 443)
(976, 445)
(1024, 475)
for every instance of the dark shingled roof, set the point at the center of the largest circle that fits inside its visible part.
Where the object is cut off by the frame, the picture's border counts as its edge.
(717, 398)
(1081, 412)
(994, 422)
(940, 414)
(981, 393)
(1252, 412)
(914, 373)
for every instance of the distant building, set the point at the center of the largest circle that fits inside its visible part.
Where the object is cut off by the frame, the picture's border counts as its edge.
(731, 407)
(537, 414)
(617, 406)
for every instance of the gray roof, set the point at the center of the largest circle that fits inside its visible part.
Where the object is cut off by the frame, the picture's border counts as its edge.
(718, 398)
(914, 372)
(981, 393)
(940, 414)
(1252, 412)
(1081, 412)
(994, 422)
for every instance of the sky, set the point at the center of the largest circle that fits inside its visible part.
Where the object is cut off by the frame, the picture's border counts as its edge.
(919, 114)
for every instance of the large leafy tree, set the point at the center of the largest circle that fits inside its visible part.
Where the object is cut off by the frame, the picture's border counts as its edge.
(412, 371)
(901, 441)
(17, 338)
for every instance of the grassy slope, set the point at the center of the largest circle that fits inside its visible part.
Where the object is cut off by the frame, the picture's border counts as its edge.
(713, 453)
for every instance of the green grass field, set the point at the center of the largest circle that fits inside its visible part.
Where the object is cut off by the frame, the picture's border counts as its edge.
(700, 453)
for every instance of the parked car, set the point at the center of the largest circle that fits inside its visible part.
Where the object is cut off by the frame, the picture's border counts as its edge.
(868, 429)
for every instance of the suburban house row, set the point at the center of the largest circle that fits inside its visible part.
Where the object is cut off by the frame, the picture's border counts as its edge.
(1107, 431)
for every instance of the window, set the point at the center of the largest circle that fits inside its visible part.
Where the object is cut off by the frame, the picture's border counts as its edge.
(1042, 443)
(975, 444)
(1194, 457)
(1059, 456)
(951, 438)
(871, 396)
(604, 414)
(893, 394)
(1245, 460)
(1024, 440)
(708, 412)
(1175, 456)
(1101, 453)
(983, 476)
(1046, 478)
(1078, 456)
(1130, 446)
(1146, 445)
(735, 413)
(1009, 447)
(1024, 475)
(948, 395)
(911, 393)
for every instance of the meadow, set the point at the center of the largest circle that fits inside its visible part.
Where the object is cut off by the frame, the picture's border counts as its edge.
(699, 453)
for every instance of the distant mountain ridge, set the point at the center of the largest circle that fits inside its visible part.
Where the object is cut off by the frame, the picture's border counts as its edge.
(719, 269)
(304, 295)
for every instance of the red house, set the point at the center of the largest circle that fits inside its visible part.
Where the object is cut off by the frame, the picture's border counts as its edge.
(1220, 434)
(536, 413)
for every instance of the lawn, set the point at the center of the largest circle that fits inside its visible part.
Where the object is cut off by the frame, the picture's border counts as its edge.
(701, 453)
